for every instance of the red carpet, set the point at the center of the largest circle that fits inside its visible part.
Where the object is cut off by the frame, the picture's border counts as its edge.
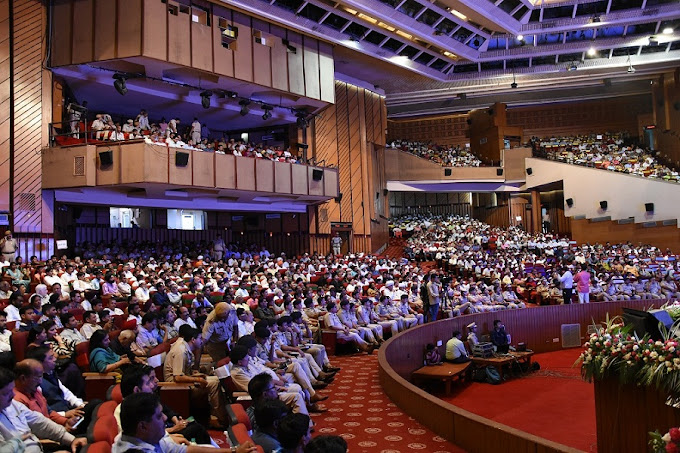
(553, 403)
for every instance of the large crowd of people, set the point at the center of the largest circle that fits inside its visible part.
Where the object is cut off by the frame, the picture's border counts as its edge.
(446, 156)
(173, 133)
(613, 152)
(266, 317)
(486, 265)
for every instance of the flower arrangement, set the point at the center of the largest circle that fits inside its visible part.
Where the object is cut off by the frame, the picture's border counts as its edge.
(668, 443)
(642, 361)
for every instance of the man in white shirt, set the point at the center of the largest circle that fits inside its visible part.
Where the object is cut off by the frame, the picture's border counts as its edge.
(23, 428)
(143, 119)
(455, 349)
(184, 318)
(196, 131)
(16, 300)
(566, 283)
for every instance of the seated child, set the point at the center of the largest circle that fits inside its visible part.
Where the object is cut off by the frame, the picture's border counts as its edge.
(432, 356)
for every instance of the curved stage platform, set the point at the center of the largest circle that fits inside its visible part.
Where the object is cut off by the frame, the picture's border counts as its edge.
(466, 424)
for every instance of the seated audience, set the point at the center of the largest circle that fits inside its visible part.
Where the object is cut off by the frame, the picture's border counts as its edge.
(455, 349)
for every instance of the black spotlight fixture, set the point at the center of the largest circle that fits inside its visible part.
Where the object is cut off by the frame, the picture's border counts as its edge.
(205, 99)
(513, 85)
(267, 111)
(301, 118)
(244, 103)
(119, 84)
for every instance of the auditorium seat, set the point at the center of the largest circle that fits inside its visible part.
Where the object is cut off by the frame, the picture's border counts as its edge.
(19, 342)
(114, 394)
(105, 408)
(239, 435)
(237, 414)
(103, 429)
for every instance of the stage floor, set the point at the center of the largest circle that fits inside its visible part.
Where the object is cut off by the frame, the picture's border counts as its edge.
(553, 403)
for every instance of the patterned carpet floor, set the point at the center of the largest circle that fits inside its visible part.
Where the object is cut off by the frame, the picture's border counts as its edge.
(360, 412)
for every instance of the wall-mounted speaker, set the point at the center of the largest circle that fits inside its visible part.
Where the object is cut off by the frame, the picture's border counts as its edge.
(499, 172)
(469, 122)
(529, 171)
(317, 174)
(649, 207)
(106, 158)
(338, 199)
(570, 202)
(181, 159)
(603, 205)
(385, 192)
(491, 112)
(447, 172)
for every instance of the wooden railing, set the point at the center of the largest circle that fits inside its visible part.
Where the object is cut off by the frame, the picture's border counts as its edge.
(539, 328)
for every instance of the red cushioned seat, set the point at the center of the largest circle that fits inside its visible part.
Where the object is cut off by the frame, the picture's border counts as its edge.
(105, 429)
(237, 414)
(106, 408)
(114, 394)
(239, 434)
(83, 356)
(19, 342)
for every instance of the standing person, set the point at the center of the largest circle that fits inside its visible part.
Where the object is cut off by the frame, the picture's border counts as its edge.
(218, 248)
(434, 290)
(8, 247)
(566, 284)
(500, 338)
(218, 331)
(196, 131)
(582, 280)
(425, 296)
(336, 243)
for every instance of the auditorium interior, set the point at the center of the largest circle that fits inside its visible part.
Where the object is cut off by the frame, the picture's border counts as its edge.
(346, 149)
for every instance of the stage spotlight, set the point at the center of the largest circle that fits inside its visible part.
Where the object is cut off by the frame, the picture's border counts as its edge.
(205, 99)
(301, 118)
(119, 84)
(244, 106)
(513, 85)
(267, 112)
(668, 31)
(231, 94)
(592, 52)
(520, 37)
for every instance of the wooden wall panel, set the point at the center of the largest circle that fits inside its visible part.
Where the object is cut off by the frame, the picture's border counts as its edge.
(262, 54)
(129, 28)
(105, 26)
(83, 33)
(61, 43)
(326, 72)
(311, 68)
(243, 56)
(348, 135)
(31, 113)
(279, 57)
(155, 33)
(264, 170)
(668, 117)
(296, 74)
(245, 174)
(223, 58)
(4, 106)
(201, 46)
(179, 36)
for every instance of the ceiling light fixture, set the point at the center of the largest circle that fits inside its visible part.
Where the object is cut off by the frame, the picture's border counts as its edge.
(119, 84)
(205, 99)
(631, 69)
(668, 31)
(596, 19)
(592, 52)
(520, 37)
(267, 111)
(244, 106)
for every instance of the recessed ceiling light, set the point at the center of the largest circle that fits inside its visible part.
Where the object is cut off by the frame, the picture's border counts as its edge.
(592, 52)
(668, 31)
(520, 37)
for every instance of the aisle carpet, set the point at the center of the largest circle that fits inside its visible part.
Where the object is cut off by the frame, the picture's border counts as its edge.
(553, 403)
(361, 413)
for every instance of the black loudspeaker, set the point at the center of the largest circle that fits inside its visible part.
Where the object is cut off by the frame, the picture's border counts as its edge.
(447, 172)
(603, 205)
(106, 158)
(491, 112)
(570, 202)
(649, 207)
(338, 199)
(529, 171)
(469, 122)
(499, 172)
(181, 159)
(385, 192)
(317, 174)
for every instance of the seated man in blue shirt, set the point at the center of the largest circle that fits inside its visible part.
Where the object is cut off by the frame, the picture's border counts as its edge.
(500, 338)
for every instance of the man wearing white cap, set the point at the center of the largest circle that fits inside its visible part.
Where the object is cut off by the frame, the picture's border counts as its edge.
(472, 334)
(8, 247)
